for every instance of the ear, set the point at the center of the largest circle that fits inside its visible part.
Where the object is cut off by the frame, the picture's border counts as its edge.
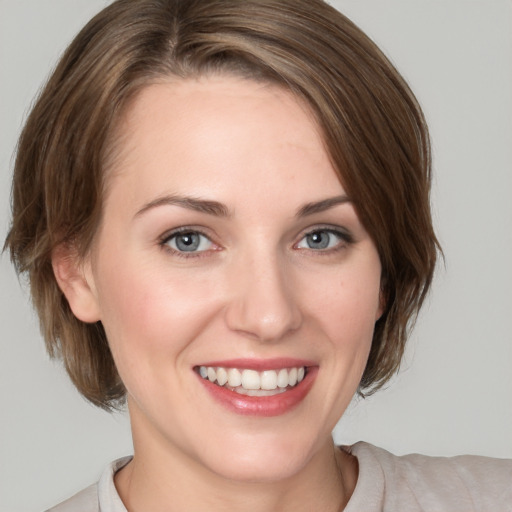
(74, 278)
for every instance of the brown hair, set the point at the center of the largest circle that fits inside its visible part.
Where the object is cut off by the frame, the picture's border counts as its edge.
(372, 125)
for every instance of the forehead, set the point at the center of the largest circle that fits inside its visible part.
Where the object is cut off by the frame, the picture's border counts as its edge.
(204, 136)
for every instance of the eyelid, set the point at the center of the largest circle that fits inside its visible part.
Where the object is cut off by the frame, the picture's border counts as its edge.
(333, 228)
(165, 237)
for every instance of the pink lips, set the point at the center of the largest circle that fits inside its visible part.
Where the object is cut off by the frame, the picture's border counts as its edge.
(262, 405)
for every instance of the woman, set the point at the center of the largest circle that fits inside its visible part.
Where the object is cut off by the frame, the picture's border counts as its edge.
(223, 209)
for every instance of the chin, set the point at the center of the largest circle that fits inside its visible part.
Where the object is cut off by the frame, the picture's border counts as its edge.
(260, 460)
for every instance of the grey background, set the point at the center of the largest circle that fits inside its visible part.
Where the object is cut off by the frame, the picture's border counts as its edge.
(454, 392)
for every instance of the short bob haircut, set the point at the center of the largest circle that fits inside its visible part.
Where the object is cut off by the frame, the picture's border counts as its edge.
(373, 129)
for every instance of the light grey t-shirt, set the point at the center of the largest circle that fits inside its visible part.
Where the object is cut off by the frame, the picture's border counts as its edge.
(386, 483)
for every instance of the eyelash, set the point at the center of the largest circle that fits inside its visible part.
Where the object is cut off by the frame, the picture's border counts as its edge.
(345, 239)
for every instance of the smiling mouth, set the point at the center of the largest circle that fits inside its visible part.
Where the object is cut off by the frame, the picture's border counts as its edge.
(251, 382)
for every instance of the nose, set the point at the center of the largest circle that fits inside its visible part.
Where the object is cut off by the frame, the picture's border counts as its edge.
(263, 301)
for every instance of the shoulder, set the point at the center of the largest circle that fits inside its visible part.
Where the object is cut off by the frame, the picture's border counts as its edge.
(420, 483)
(99, 497)
(84, 501)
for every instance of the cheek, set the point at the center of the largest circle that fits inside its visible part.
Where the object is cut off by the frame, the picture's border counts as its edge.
(149, 312)
(348, 305)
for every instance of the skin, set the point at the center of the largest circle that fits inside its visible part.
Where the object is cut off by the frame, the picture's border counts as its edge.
(255, 289)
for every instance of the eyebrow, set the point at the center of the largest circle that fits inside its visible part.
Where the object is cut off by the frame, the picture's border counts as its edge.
(321, 206)
(220, 210)
(191, 203)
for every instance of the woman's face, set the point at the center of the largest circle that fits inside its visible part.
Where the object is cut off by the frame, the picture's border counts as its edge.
(229, 250)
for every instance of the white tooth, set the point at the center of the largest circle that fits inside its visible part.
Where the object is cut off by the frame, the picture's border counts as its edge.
(234, 377)
(258, 392)
(268, 379)
(263, 392)
(222, 376)
(292, 376)
(282, 378)
(300, 374)
(203, 372)
(212, 374)
(253, 392)
(250, 379)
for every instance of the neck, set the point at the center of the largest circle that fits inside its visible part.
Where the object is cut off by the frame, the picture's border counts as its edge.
(169, 480)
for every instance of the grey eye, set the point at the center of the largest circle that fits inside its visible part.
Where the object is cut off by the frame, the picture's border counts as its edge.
(191, 241)
(321, 239)
(318, 240)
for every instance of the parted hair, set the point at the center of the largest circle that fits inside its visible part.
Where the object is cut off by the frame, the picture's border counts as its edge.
(373, 129)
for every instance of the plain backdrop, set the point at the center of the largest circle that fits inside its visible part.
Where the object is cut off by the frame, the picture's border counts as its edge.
(453, 394)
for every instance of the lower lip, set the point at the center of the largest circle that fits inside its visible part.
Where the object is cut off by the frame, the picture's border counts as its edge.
(262, 405)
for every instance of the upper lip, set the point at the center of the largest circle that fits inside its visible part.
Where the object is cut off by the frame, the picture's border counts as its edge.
(275, 363)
